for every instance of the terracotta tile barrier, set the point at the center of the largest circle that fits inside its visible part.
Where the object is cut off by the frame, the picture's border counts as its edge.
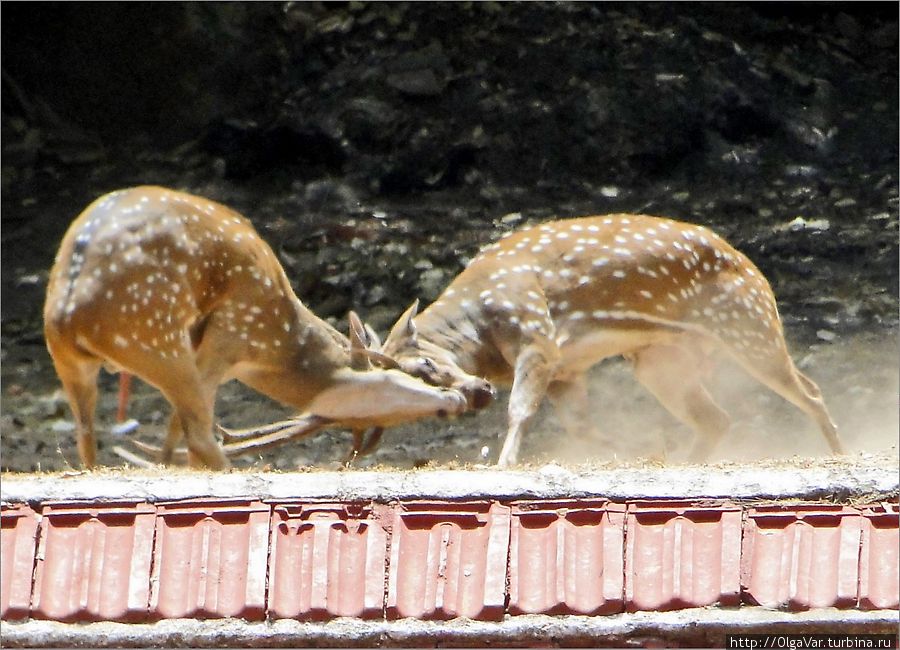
(327, 560)
(448, 560)
(93, 562)
(490, 560)
(802, 556)
(210, 560)
(878, 565)
(565, 557)
(18, 537)
(681, 555)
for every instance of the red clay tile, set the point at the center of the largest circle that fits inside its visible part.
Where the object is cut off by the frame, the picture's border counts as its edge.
(566, 557)
(878, 565)
(801, 556)
(18, 539)
(94, 562)
(210, 560)
(679, 554)
(448, 560)
(327, 559)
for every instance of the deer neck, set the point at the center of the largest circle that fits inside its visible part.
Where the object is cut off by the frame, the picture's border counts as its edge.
(308, 359)
(457, 330)
(317, 345)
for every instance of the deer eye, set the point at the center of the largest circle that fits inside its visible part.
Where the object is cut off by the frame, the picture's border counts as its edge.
(428, 364)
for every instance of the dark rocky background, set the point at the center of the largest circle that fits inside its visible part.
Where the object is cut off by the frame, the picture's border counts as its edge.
(377, 145)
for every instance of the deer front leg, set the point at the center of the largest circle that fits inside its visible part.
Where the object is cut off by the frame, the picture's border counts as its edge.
(534, 368)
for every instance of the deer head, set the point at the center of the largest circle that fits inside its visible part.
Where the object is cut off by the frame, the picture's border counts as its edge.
(431, 363)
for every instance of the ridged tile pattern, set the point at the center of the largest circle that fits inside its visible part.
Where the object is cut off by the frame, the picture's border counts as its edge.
(18, 540)
(681, 555)
(439, 559)
(802, 557)
(878, 564)
(210, 560)
(327, 559)
(93, 562)
(448, 560)
(565, 557)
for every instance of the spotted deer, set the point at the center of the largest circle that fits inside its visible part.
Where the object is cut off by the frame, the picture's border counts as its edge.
(182, 292)
(545, 303)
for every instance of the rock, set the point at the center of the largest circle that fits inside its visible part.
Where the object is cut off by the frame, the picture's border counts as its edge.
(847, 26)
(799, 223)
(826, 335)
(375, 295)
(885, 36)
(384, 137)
(62, 426)
(418, 83)
(431, 283)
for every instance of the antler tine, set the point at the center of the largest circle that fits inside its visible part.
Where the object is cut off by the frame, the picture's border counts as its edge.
(179, 455)
(312, 424)
(135, 459)
(247, 442)
(383, 360)
(232, 435)
(275, 434)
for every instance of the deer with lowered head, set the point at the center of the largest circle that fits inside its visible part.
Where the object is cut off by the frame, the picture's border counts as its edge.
(544, 304)
(182, 292)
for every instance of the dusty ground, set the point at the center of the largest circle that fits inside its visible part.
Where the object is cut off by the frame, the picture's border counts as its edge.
(858, 376)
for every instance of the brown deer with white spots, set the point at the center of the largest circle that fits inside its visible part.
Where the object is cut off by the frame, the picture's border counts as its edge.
(182, 292)
(545, 303)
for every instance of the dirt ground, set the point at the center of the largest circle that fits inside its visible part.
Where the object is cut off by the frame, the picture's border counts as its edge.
(858, 377)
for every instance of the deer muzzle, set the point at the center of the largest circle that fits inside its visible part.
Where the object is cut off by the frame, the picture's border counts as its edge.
(478, 393)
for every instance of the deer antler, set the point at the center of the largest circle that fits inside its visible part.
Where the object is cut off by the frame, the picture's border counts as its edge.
(248, 440)
(244, 441)
(233, 435)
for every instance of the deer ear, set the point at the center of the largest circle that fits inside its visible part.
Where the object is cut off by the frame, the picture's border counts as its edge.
(406, 320)
(373, 341)
(404, 330)
(359, 357)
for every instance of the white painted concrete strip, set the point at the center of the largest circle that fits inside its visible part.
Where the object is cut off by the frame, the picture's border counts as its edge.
(868, 477)
(691, 627)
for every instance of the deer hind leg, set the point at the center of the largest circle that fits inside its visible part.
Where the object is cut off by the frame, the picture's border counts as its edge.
(193, 416)
(674, 375)
(534, 368)
(779, 373)
(211, 367)
(186, 388)
(175, 430)
(79, 380)
(174, 435)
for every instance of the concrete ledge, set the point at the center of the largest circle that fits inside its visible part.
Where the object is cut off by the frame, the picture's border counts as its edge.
(693, 627)
(872, 478)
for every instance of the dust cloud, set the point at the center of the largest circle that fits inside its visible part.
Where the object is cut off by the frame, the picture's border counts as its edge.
(859, 379)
